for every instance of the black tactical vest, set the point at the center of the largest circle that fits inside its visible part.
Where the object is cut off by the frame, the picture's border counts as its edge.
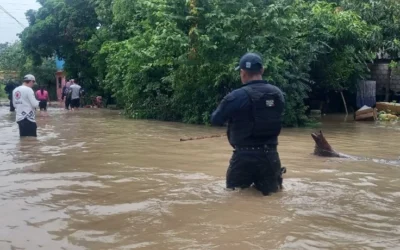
(261, 122)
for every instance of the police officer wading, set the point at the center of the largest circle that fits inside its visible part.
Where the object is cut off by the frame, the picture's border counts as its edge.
(254, 114)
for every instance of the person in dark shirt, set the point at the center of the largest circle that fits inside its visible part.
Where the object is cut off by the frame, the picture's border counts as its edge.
(254, 114)
(9, 88)
(66, 93)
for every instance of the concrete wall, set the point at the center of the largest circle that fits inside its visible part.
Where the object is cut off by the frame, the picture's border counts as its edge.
(380, 74)
(395, 83)
(60, 83)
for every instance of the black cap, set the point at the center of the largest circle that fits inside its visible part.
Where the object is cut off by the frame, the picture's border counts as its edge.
(250, 62)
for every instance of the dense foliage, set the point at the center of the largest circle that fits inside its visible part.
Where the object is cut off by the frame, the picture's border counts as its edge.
(15, 63)
(174, 59)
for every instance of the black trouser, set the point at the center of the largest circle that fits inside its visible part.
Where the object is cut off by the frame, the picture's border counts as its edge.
(43, 105)
(27, 128)
(75, 103)
(260, 166)
(67, 102)
(12, 109)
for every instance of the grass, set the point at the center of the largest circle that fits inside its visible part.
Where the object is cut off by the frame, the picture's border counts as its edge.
(2, 92)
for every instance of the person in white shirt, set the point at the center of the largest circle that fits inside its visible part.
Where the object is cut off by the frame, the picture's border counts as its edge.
(75, 95)
(25, 104)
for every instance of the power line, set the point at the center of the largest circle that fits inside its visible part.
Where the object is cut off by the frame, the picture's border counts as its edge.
(18, 10)
(5, 11)
(26, 4)
(13, 10)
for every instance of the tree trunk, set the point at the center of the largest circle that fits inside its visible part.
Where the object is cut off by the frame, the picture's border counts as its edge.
(193, 39)
(344, 102)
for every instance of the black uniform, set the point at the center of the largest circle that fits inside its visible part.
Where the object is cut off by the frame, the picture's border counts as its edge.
(10, 86)
(66, 92)
(255, 113)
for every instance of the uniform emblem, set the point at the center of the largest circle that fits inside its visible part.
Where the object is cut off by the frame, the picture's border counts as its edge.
(248, 65)
(270, 103)
(17, 95)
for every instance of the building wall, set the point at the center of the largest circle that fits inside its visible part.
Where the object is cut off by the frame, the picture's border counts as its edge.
(395, 83)
(380, 73)
(59, 64)
(60, 83)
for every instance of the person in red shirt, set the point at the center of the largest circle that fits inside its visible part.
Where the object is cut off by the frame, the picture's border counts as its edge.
(43, 96)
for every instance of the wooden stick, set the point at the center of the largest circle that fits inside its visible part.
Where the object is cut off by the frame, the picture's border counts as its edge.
(201, 137)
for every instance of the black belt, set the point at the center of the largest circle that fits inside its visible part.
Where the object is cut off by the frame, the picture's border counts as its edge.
(267, 147)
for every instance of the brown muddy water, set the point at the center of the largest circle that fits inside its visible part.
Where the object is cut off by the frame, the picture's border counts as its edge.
(93, 180)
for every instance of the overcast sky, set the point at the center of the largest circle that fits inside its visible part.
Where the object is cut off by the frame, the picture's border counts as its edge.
(9, 28)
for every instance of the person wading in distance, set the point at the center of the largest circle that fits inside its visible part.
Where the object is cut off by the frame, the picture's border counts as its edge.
(75, 95)
(66, 95)
(43, 96)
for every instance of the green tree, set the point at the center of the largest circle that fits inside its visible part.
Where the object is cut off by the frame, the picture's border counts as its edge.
(15, 63)
(12, 57)
(174, 59)
(160, 78)
(62, 28)
(348, 47)
(384, 14)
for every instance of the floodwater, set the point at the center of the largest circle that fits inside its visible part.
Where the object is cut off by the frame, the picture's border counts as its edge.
(93, 180)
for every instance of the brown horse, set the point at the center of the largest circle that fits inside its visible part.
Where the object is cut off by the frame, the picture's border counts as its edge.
(323, 148)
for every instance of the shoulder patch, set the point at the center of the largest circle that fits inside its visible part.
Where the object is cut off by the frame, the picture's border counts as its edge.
(270, 103)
